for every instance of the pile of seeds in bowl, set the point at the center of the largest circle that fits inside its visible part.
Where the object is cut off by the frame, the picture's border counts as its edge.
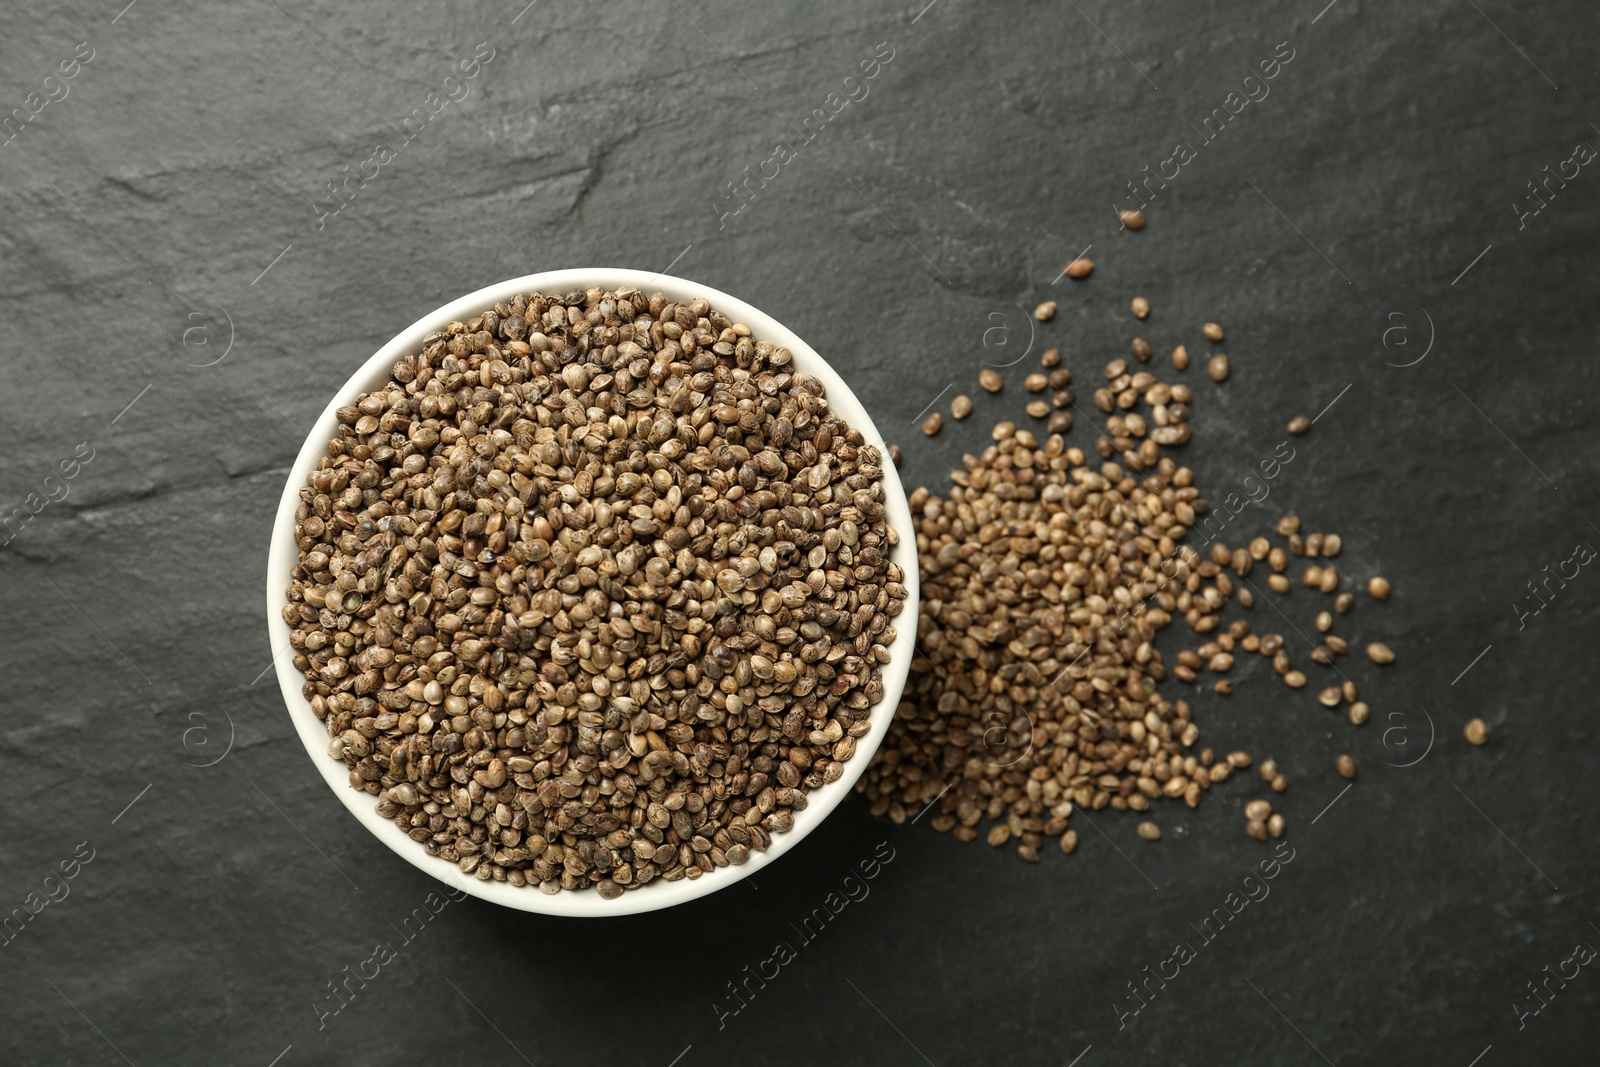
(594, 591)
(1046, 577)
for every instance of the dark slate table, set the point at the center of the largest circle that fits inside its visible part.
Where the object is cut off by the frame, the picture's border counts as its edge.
(183, 289)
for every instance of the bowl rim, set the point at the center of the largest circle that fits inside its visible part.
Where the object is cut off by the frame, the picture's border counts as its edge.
(283, 552)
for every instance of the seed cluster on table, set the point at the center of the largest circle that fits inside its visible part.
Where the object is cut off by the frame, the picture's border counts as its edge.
(594, 591)
(1046, 577)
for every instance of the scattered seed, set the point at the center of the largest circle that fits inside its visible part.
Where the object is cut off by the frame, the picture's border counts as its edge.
(1150, 831)
(1212, 331)
(1477, 731)
(1278, 582)
(932, 424)
(1140, 349)
(1080, 268)
(1035, 383)
(1257, 829)
(990, 379)
(1332, 545)
(1133, 220)
(1217, 367)
(1140, 307)
(961, 406)
(1294, 679)
(1060, 422)
(1299, 425)
(896, 455)
(1279, 783)
(1258, 809)
(1379, 652)
(1378, 587)
(1045, 311)
(1323, 622)
(1359, 712)
(1275, 826)
(1330, 697)
(1038, 408)
(1069, 842)
(1344, 602)
(1180, 358)
(1050, 357)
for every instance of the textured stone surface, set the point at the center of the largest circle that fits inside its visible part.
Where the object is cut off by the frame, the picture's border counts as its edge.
(904, 241)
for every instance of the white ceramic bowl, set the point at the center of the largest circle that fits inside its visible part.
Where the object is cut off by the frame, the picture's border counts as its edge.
(313, 734)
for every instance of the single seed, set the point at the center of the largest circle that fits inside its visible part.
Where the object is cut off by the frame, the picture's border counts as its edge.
(1330, 580)
(1050, 357)
(1038, 408)
(1150, 831)
(1379, 652)
(1212, 331)
(1348, 690)
(998, 835)
(961, 406)
(1477, 731)
(1258, 809)
(1036, 382)
(1069, 842)
(990, 379)
(1299, 425)
(1132, 219)
(1269, 770)
(1140, 307)
(1180, 357)
(1080, 268)
(1060, 421)
(1332, 545)
(1275, 826)
(1257, 829)
(1344, 602)
(1217, 367)
(932, 424)
(1259, 547)
(1378, 587)
(1294, 679)
(1330, 697)
(1359, 712)
(1278, 582)
(1140, 349)
(896, 455)
(1279, 784)
(1045, 311)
